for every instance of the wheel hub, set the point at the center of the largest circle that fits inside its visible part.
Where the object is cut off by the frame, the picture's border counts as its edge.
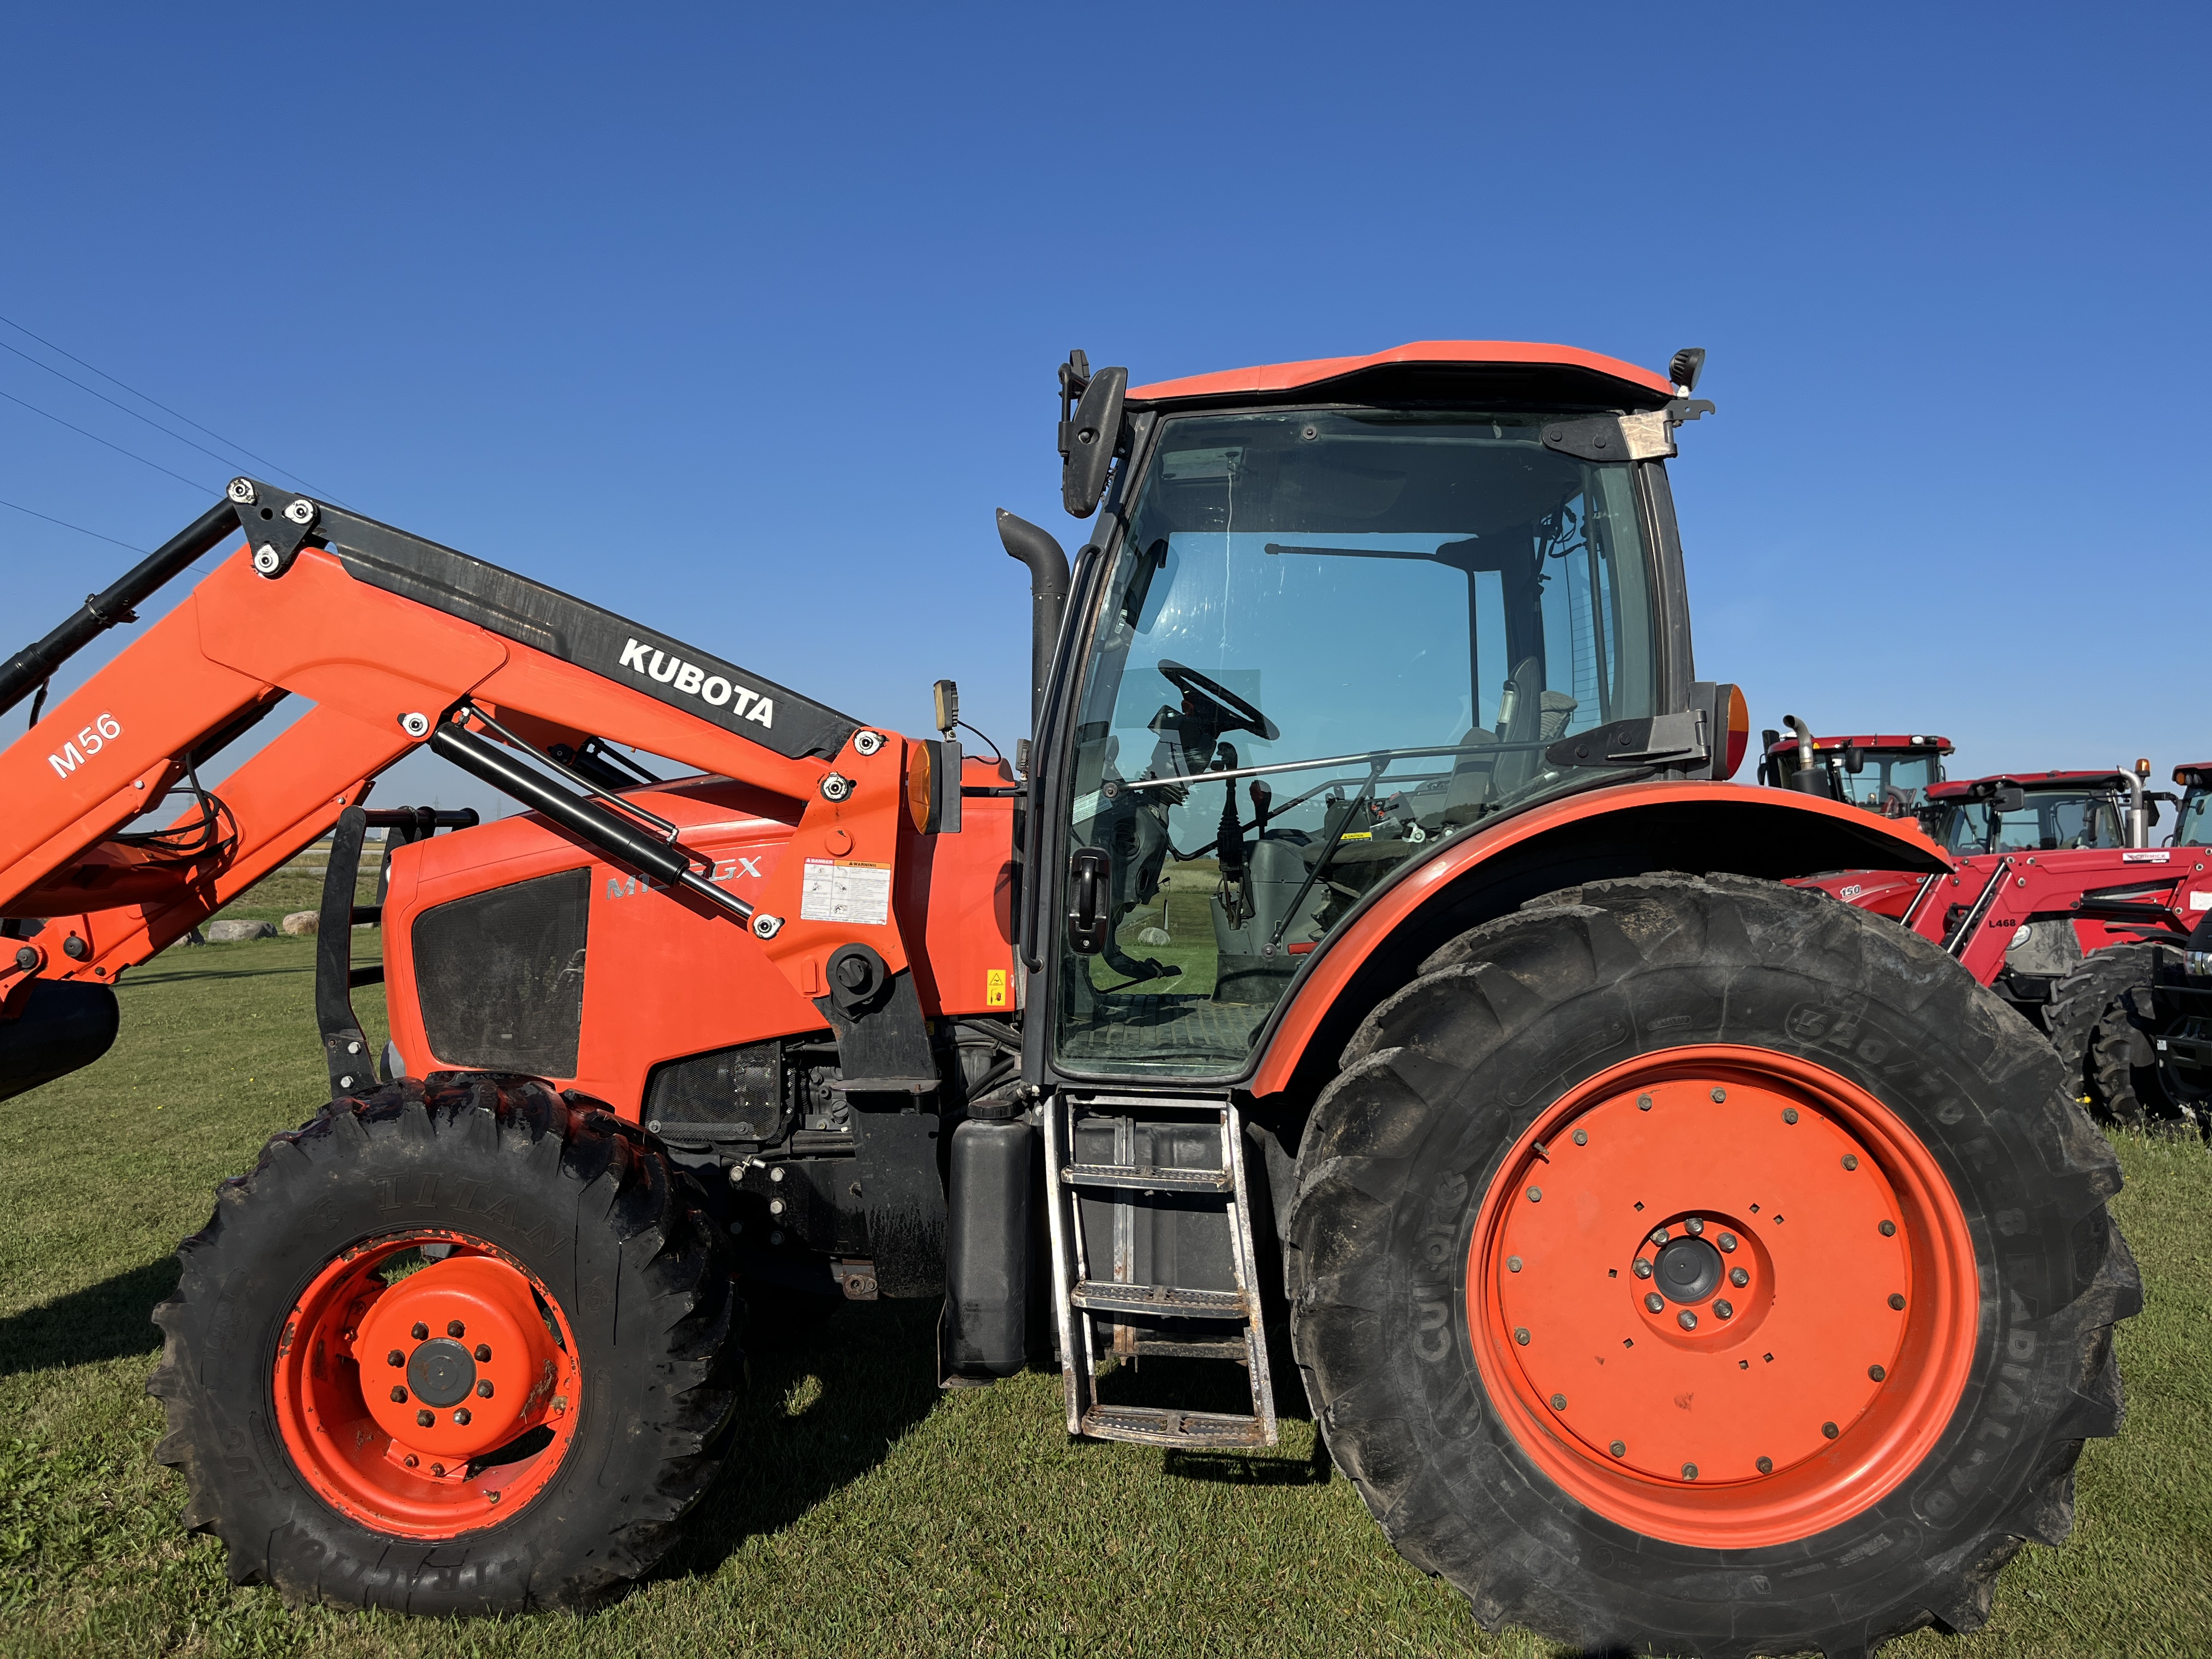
(1724, 1286)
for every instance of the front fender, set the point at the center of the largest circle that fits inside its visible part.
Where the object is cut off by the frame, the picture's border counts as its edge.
(1621, 830)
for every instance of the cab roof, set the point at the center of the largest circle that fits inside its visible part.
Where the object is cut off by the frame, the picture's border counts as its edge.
(2030, 781)
(1942, 745)
(1508, 373)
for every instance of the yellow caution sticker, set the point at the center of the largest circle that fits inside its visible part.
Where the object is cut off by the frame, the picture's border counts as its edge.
(994, 988)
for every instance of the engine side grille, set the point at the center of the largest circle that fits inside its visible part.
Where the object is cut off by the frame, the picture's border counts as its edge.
(500, 974)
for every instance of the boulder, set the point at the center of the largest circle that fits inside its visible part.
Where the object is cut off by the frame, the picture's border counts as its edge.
(230, 933)
(1153, 936)
(301, 924)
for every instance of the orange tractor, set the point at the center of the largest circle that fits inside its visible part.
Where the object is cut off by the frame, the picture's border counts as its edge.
(1368, 968)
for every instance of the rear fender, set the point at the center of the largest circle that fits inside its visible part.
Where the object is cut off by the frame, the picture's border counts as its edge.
(1624, 829)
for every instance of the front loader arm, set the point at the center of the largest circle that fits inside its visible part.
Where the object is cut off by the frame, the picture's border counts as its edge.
(394, 641)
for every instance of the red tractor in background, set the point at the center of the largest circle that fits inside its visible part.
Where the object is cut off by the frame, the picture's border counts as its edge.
(2059, 903)
(1465, 1051)
(1890, 776)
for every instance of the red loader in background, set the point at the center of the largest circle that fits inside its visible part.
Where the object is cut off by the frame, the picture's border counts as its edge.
(1890, 776)
(1474, 1074)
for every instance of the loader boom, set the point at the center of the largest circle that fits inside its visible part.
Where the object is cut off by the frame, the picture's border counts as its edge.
(393, 641)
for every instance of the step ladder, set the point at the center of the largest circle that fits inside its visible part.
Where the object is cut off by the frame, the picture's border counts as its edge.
(1134, 1182)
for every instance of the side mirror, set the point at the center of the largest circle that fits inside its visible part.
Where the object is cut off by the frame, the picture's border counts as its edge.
(2010, 799)
(1854, 759)
(1090, 900)
(1087, 441)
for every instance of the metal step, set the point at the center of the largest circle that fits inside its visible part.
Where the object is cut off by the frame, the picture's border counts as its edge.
(1170, 1299)
(1156, 1426)
(1146, 1180)
(1095, 1282)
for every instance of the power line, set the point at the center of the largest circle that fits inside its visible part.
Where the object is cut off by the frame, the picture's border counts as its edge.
(194, 482)
(157, 404)
(95, 391)
(66, 524)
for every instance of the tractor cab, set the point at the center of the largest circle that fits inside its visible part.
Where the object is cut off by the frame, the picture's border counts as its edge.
(1888, 774)
(1333, 613)
(2040, 812)
(2195, 827)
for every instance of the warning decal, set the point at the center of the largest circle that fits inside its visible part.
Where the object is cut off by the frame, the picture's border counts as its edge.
(994, 988)
(846, 892)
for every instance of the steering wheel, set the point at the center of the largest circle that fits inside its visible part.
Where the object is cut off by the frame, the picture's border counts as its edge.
(1243, 716)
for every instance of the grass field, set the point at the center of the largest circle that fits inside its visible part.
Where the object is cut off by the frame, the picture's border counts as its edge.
(872, 1515)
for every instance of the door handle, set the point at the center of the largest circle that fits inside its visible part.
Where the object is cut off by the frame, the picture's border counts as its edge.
(1090, 887)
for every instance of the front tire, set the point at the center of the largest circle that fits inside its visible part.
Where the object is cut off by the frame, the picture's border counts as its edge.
(1904, 1213)
(463, 1350)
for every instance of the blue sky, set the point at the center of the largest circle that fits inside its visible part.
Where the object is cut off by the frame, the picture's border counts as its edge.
(742, 322)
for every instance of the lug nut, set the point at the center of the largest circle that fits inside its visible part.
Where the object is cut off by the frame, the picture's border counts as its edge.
(1876, 1372)
(483, 1388)
(1764, 1465)
(1696, 1225)
(1686, 1319)
(1655, 1303)
(1619, 1449)
(1739, 1278)
(461, 1417)
(1889, 1230)
(395, 1358)
(1643, 1268)
(1897, 1302)
(1723, 1310)
(1582, 1137)
(455, 1328)
(411, 1459)
(438, 1469)
(1788, 1114)
(1659, 1234)
(1851, 1160)
(1643, 1104)
(1829, 1428)
(1690, 1470)
(1535, 1194)
(1521, 1334)
(1512, 1264)
(1719, 1095)
(399, 1396)
(1728, 1242)
(423, 1419)
(420, 1333)
(1559, 1402)
(484, 1353)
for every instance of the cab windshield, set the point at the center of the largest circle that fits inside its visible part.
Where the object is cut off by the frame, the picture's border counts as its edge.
(2196, 826)
(1892, 782)
(1383, 622)
(2057, 821)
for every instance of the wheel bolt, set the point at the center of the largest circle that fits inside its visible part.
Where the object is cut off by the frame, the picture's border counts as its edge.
(1690, 1470)
(1512, 1264)
(411, 1459)
(1696, 1226)
(1620, 1449)
(395, 1360)
(484, 1390)
(1739, 1278)
(438, 1469)
(1851, 1160)
(1686, 1319)
(1659, 1234)
(423, 1419)
(1535, 1194)
(484, 1353)
(1728, 1242)
(1876, 1372)
(1643, 1268)
(1764, 1465)
(421, 1332)
(1521, 1334)
(1724, 1310)
(399, 1396)
(455, 1328)
(1898, 1303)
(1655, 1303)
(1719, 1095)
(1829, 1428)
(1559, 1402)
(461, 1417)
(1643, 1103)
(1788, 1114)
(1889, 1230)
(1582, 1137)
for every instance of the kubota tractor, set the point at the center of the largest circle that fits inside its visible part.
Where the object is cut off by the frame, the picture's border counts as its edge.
(1370, 970)
(1886, 775)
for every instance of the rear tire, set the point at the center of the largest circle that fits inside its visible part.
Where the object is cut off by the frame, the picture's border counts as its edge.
(1421, 1166)
(593, 1309)
(2101, 1021)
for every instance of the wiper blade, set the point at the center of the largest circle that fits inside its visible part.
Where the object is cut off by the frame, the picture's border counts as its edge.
(1370, 758)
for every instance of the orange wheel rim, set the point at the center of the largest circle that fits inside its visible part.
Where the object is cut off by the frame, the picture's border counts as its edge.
(430, 1402)
(1723, 1297)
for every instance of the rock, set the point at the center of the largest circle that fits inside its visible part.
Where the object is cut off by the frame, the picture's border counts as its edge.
(1153, 936)
(230, 933)
(300, 924)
